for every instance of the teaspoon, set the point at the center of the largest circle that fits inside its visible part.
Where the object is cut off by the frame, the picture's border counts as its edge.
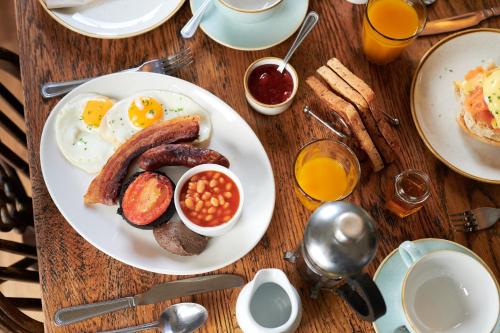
(307, 110)
(393, 120)
(191, 26)
(309, 23)
(178, 318)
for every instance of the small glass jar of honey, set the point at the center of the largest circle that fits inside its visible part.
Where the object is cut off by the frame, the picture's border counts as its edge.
(407, 192)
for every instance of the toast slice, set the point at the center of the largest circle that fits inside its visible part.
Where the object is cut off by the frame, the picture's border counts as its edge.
(343, 89)
(369, 96)
(349, 113)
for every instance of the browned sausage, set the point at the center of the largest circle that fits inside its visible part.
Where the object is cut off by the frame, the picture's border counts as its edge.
(179, 154)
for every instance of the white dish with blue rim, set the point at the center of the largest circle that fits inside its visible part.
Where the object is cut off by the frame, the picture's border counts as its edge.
(391, 273)
(253, 36)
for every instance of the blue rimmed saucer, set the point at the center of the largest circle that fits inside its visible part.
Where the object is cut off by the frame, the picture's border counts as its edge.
(253, 36)
(390, 275)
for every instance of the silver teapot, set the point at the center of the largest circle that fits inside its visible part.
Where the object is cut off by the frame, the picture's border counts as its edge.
(340, 239)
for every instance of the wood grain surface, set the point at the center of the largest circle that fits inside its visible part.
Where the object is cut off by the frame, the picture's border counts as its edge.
(73, 272)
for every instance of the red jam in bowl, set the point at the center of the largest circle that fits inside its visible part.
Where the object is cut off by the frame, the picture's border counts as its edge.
(269, 86)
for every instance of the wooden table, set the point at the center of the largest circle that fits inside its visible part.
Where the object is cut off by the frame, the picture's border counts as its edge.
(73, 272)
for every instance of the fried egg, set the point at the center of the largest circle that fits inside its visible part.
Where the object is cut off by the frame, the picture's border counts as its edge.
(77, 131)
(138, 111)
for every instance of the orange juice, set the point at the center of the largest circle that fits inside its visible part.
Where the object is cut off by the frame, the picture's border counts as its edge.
(325, 170)
(389, 26)
(323, 178)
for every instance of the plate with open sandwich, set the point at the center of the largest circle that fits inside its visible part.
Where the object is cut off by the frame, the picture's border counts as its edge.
(455, 103)
(157, 173)
(111, 18)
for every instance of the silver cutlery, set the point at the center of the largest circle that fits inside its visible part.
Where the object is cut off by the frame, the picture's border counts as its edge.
(167, 66)
(393, 120)
(307, 110)
(309, 22)
(158, 293)
(178, 318)
(459, 22)
(476, 219)
(429, 2)
(192, 25)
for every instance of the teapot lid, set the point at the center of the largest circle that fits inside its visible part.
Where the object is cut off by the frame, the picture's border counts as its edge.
(340, 238)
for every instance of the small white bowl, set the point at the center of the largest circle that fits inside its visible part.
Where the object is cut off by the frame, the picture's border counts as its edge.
(245, 11)
(270, 109)
(208, 231)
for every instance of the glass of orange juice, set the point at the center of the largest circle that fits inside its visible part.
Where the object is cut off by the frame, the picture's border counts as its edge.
(389, 26)
(325, 170)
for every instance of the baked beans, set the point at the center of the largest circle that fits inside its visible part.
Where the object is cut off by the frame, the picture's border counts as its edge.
(209, 198)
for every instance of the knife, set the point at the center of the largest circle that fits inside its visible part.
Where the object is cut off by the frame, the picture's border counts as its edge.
(160, 292)
(459, 22)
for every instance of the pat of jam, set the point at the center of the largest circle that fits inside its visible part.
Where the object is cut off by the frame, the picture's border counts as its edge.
(269, 86)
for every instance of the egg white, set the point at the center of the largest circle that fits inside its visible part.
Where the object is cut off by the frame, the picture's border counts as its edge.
(116, 127)
(80, 144)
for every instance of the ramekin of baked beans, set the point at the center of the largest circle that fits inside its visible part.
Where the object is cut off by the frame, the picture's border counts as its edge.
(209, 199)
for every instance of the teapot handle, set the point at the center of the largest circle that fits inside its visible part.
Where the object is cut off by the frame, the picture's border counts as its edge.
(363, 296)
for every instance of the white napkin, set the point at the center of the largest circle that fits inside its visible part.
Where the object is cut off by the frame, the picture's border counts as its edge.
(66, 3)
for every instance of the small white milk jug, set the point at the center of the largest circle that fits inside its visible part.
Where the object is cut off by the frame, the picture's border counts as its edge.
(269, 304)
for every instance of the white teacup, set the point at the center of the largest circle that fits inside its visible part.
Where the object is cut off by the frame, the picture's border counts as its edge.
(447, 292)
(247, 11)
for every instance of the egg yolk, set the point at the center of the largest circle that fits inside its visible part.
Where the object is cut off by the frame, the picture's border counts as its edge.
(145, 111)
(94, 111)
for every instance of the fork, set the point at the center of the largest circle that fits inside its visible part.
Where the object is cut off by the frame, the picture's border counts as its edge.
(167, 66)
(476, 219)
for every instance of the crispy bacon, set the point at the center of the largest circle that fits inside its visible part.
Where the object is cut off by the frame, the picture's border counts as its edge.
(105, 186)
(179, 154)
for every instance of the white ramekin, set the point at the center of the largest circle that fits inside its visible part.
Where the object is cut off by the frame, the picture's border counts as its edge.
(270, 109)
(208, 231)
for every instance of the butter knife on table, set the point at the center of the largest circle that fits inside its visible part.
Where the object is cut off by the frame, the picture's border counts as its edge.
(160, 292)
(459, 22)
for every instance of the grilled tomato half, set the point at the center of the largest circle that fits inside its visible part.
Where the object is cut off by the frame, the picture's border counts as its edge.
(146, 200)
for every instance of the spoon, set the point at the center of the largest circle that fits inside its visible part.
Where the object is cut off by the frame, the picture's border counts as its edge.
(393, 120)
(178, 318)
(191, 26)
(309, 23)
(307, 110)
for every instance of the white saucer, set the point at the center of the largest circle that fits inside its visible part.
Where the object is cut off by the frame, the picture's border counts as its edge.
(253, 36)
(389, 279)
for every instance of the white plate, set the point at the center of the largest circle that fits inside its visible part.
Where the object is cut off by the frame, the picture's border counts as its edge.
(115, 18)
(435, 106)
(103, 228)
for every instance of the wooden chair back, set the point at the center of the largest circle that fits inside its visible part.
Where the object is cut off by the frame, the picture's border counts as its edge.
(16, 212)
(11, 115)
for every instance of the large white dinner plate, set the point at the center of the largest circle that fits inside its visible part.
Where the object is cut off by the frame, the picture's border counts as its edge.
(103, 228)
(435, 106)
(115, 18)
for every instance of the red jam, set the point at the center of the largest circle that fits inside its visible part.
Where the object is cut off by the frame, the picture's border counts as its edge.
(269, 86)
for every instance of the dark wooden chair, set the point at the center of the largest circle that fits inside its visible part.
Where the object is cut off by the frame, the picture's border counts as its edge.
(9, 63)
(16, 213)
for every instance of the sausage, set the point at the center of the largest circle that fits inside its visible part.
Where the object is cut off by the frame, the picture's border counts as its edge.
(179, 154)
